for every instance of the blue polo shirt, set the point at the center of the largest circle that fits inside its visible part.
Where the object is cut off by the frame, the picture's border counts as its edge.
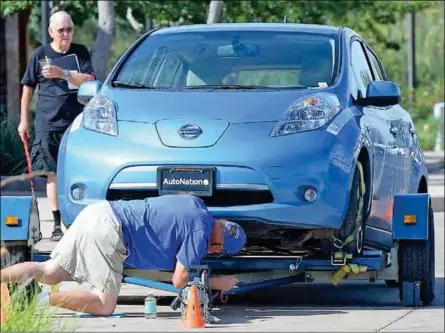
(159, 231)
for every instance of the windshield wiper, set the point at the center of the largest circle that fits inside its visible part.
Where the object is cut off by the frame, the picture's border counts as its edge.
(232, 86)
(131, 85)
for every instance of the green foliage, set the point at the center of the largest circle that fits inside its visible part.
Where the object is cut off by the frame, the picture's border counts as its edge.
(166, 12)
(25, 315)
(422, 112)
(381, 23)
(12, 155)
(9, 7)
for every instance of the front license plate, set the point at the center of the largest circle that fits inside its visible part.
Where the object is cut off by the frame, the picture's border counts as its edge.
(185, 180)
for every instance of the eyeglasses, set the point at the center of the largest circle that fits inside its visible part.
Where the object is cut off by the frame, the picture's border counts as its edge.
(63, 30)
(219, 254)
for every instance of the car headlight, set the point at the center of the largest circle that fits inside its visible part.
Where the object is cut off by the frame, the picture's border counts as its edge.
(306, 114)
(100, 115)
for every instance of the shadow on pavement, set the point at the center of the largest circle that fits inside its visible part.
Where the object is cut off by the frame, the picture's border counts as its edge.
(232, 315)
(349, 295)
(300, 300)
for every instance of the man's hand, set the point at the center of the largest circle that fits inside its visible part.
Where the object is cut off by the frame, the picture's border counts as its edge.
(23, 130)
(223, 282)
(52, 72)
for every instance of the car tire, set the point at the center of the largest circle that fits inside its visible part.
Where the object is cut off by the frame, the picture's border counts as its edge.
(417, 263)
(349, 225)
(16, 254)
(392, 283)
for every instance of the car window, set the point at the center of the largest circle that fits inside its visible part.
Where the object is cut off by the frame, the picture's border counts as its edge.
(264, 77)
(360, 67)
(254, 58)
(375, 66)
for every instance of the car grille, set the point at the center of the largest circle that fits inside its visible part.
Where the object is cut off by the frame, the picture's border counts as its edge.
(220, 198)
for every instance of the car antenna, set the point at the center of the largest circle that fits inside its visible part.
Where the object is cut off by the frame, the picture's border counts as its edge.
(285, 19)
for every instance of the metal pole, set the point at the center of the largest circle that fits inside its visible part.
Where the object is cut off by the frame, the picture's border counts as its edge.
(411, 56)
(44, 5)
(439, 116)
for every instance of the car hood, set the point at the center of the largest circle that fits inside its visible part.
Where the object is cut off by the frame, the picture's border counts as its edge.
(229, 106)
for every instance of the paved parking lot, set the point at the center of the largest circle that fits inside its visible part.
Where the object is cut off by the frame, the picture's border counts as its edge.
(351, 306)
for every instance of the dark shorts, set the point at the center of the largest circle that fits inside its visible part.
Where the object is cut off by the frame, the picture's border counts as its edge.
(44, 150)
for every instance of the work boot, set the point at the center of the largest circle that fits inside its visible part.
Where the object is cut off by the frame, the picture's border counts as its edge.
(57, 234)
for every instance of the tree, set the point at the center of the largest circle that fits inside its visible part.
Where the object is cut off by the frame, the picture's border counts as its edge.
(215, 10)
(104, 36)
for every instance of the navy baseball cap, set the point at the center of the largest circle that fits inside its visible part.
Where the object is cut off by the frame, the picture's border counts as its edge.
(234, 238)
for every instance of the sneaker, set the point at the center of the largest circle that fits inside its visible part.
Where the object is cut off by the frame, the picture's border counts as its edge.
(57, 234)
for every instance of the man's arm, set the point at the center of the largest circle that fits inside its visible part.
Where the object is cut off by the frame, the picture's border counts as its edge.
(24, 110)
(78, 78)
(192, 251)
(85, 66)
(222, 283)
(55, 72)
(29, 81)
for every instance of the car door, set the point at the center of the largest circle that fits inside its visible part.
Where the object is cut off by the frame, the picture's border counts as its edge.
(400, 128)
(377, 122)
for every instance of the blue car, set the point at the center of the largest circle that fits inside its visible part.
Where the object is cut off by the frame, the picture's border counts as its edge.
(295, 131)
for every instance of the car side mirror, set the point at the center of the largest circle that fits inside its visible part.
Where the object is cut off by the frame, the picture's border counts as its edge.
(381, 93)
(88, 90)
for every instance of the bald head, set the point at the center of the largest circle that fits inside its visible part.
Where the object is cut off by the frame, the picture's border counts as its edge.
(61, 29)
(60, 17)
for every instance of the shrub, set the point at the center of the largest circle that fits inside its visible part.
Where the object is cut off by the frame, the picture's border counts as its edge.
(12, 154)
(23, 314)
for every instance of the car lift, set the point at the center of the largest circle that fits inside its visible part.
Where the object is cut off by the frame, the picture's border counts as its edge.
(20, 227)
(373, 265)
(410, 223)
(411, 215)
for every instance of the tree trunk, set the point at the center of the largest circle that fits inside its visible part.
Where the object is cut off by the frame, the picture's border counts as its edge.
(3, 76)
(148, 24)
(104, 37)
(12, 68)
(137, 26)
(215, 10)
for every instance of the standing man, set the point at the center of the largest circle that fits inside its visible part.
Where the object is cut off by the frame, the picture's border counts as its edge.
(57, 105)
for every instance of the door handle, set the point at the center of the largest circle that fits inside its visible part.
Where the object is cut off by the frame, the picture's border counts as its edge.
(394, 150)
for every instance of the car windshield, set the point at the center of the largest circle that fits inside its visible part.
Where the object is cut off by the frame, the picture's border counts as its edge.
(231, 60)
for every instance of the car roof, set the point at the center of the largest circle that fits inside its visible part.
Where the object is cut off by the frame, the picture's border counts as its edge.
(305, 28)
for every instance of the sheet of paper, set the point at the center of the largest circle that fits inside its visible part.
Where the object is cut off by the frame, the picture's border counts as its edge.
(70, 85)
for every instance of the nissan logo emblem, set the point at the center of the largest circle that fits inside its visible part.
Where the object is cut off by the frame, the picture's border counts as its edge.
(190, 131)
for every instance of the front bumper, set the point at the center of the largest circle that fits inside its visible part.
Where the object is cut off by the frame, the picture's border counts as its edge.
(267, 186)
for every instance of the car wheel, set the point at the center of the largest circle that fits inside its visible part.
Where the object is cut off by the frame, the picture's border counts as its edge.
(417, 263)
(354, 223)
(392, 283)
(16, 254)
